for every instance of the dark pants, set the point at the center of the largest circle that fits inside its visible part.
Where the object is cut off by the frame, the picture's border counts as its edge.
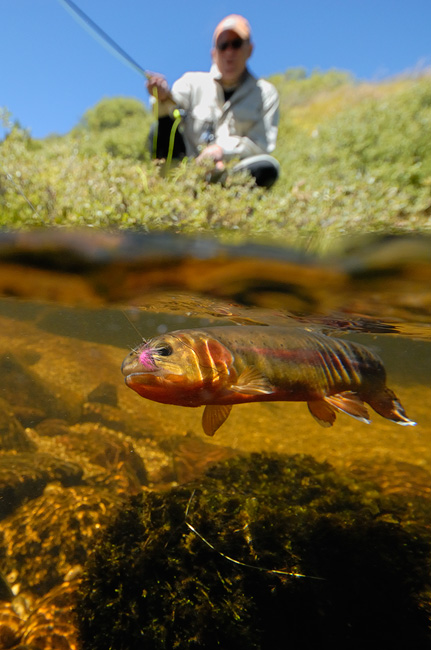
(264, 169)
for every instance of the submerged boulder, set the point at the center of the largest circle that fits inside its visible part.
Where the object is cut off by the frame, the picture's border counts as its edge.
(262, 552)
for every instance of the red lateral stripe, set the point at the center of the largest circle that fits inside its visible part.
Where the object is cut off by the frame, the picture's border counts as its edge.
(298, 354)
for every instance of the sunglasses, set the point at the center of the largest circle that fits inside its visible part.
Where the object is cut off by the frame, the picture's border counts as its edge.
(235, 44)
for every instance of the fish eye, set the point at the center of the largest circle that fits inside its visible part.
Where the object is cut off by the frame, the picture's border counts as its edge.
(165, 350)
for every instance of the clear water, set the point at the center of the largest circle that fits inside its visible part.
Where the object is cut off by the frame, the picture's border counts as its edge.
(55, 353)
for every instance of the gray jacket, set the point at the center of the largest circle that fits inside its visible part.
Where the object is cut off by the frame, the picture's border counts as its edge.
(245, 125)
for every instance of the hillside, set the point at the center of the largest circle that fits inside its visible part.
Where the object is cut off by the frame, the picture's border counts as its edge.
(355, 157)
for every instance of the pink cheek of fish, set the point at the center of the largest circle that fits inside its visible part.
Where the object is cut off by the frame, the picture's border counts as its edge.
(146, 360)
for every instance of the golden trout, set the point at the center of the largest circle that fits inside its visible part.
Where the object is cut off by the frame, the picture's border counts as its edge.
(217, 367)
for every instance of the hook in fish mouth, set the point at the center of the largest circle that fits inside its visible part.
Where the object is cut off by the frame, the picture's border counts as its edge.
(139, 362)
(146, 358)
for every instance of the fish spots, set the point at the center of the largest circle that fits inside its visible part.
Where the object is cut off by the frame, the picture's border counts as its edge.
(221, 366)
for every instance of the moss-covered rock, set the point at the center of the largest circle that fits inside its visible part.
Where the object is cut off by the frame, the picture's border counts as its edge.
(207, 565)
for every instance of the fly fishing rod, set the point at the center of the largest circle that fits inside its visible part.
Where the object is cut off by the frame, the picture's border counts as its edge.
(115, 49)
(103, 38)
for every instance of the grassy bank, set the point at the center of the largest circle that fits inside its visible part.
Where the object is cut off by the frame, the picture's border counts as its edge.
(355, 157)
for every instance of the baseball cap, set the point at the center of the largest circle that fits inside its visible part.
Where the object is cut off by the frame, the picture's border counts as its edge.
(237, 24)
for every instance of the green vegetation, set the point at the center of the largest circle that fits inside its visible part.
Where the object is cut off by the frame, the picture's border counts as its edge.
(356, 157)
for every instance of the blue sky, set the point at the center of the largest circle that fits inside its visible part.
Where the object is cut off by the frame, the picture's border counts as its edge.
(53, 70)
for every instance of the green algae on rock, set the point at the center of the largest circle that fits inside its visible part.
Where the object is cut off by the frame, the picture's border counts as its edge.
(207, 565)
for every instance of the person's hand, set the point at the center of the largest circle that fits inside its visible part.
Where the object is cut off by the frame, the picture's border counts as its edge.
(212, 152)
(215, 153)
(158, 82)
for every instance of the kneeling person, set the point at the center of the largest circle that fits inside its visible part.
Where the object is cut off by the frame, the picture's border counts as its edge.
(228, 113)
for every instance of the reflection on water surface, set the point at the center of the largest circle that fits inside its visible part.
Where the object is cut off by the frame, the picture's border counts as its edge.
(77, 444)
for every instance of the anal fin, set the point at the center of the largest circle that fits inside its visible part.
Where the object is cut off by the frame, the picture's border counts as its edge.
(351, 404)
(213, 417)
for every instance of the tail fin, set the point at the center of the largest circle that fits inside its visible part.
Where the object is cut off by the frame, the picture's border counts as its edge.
(387, 404)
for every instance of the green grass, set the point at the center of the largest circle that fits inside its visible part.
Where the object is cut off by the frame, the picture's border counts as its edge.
(355, 158)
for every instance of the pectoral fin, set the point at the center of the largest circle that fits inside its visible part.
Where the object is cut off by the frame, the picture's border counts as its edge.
(350, 403)
(252, 382)
(213, 417)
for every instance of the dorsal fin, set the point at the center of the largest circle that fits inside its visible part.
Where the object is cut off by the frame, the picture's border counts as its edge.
(252, 382)
(213, 417)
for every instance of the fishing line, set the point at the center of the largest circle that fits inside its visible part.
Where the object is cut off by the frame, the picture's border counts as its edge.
(238, 562)
(102, 37)
(132, 324)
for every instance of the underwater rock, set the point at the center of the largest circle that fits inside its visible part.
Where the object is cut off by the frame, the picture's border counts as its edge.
(25, 475)
(29, 416)
(47, 623)
(52, 427)
(393, 476)
(109, 416)
(102, 406)
(23, 389)
(191, 456)
(107, 458)
(51, 535)
(207, 566)
(12, 434)
(10, 626)
(104, 393)
(51, 626)
(63, 373)
(106, 448)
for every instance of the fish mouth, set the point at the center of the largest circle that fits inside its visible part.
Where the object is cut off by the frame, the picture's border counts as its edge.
(131, 372)
(147, 378)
